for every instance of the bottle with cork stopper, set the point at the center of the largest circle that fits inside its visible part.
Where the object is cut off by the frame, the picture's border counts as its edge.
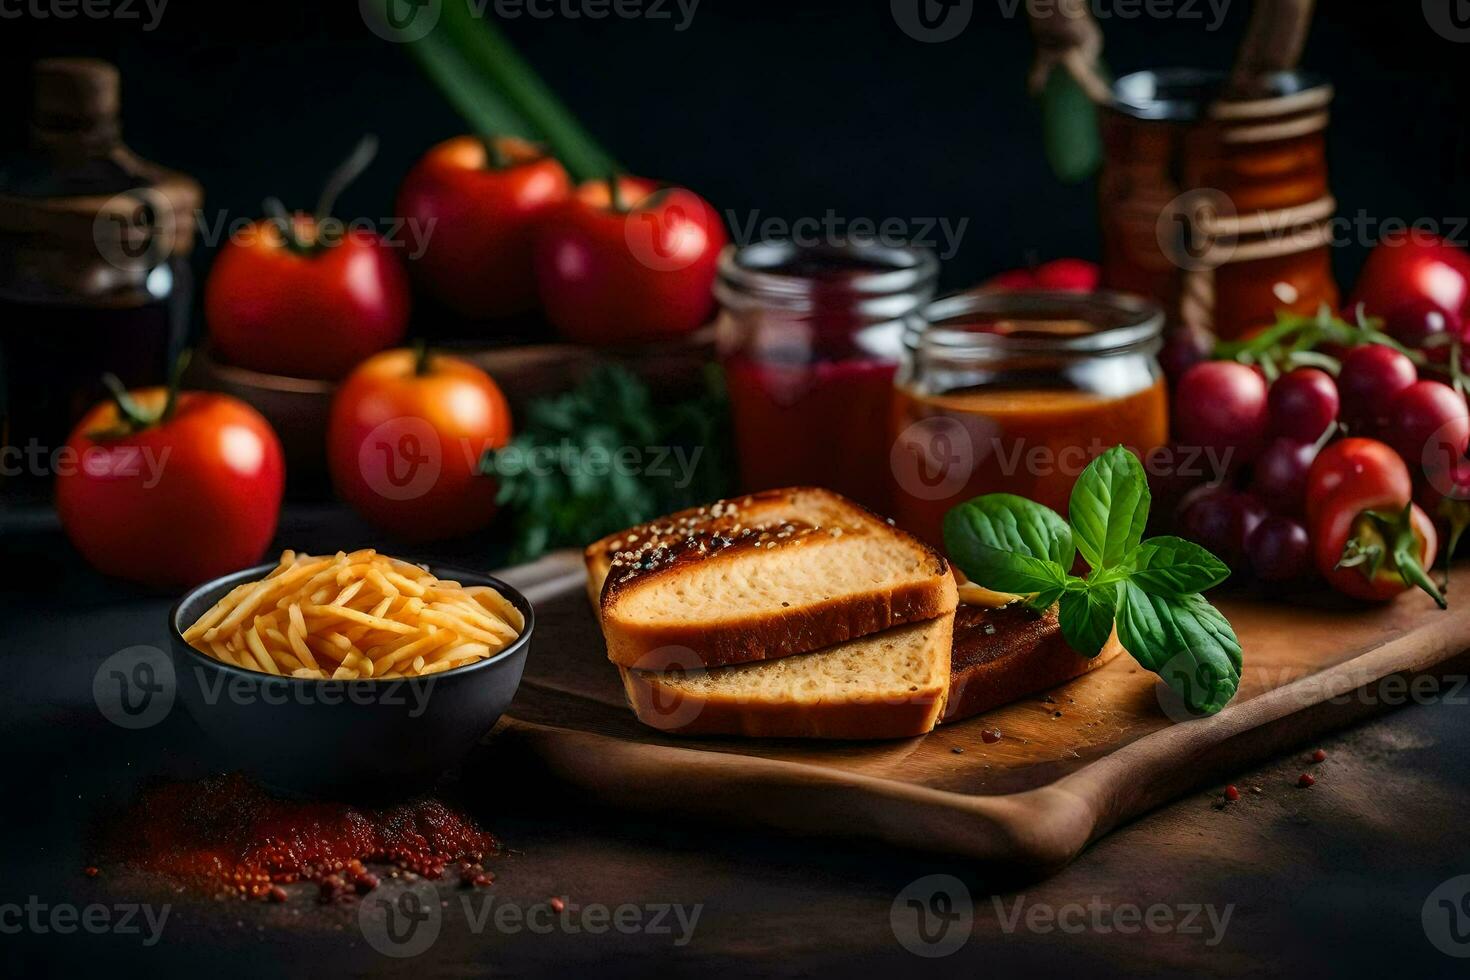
(93, 274)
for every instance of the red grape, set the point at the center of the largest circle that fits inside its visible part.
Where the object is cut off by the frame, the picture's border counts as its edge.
(1280, 476)
(1247, 512)
(1222, 520)
(1184, 347)
(1428, 421)
(1371, 376)
(1280, 550)
(1205, 516)
(1221, 406)
(1303, 403)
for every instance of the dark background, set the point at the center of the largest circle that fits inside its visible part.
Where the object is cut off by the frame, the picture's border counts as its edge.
(786, 109)
(789, 109)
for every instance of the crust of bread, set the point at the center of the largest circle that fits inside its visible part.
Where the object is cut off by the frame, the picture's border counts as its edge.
(1002, 655)
(998, 656)
(734, 640)
(665, 705)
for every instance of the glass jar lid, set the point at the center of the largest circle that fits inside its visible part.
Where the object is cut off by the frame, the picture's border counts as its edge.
(983, 324)
(873, 280)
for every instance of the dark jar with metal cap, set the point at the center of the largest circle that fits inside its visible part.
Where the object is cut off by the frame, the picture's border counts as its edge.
(810, 337)
(92, 271)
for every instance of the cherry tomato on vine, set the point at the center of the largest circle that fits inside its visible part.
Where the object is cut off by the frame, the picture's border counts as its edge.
(1369, 539)
(1355, 462)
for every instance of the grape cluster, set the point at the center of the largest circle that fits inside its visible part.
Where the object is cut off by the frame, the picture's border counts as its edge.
(1263, 435)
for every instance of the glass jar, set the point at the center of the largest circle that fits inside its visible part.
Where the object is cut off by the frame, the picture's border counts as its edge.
(1017, 393)
(810, 337)
(1218, 206)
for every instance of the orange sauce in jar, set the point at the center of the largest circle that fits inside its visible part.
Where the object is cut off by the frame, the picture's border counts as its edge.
(1016, 393)
(1032, 443)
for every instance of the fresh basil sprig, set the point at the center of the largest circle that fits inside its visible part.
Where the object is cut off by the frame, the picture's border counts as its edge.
(1149, 589)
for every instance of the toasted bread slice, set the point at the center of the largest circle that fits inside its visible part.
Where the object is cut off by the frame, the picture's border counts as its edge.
(1002, 655)
(888, 685)
(758, 577)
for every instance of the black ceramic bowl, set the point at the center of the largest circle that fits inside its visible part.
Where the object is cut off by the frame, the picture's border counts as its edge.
(361, 737)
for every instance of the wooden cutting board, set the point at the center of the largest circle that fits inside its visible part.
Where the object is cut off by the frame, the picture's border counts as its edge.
(1071, 764)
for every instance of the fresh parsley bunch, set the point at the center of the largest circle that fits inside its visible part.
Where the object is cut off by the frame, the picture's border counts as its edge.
(1149, 589)
(572, 495)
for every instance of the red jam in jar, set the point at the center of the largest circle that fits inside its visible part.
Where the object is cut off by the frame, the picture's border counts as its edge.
(810, 337)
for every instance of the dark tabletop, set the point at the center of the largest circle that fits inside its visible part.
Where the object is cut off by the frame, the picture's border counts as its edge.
(1353, 874)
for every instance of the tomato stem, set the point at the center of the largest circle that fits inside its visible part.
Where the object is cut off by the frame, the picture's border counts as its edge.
(615, 194)
(133, 417)
(284, 223)
(1381, 536)
(494, 155)
(130, 413)
(1456, 513)
(1413, 573)
(1356, 554)
(349, 170)
(175, 382)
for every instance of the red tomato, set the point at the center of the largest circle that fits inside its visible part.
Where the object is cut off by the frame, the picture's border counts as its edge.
(191, 495)
(478, 219)
(1369, 540)
(1357, 463)
(405, 440)
(1066, 275)
(1419, 268)
(639, 269)
(1402, 549)
(307, 308)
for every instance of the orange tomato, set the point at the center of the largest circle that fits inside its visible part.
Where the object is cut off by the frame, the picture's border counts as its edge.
(405, 440)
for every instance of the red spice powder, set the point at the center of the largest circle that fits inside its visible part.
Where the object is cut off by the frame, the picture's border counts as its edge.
(229, 832)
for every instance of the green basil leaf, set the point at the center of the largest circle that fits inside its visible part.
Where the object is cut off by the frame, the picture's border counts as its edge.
(1046, 598)
(1010, 544)
(1173, 567)
(1186, 641)
(1109, 508)
(1087, 618)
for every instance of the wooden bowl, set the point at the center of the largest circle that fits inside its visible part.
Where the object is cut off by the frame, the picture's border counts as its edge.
(298, 408)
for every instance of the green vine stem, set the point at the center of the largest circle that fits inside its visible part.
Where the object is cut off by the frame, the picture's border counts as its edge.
(1292, 341)
(488, 82)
